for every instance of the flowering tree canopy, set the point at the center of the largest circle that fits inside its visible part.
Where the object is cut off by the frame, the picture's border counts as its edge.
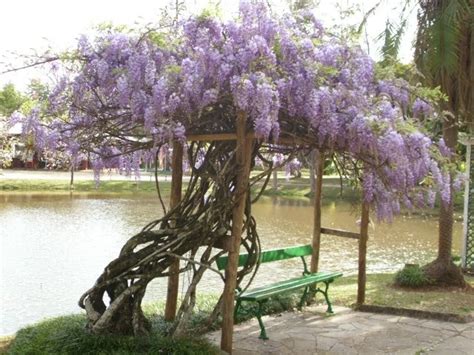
(128, 94)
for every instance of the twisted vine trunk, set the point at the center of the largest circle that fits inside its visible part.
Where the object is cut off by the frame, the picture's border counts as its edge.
(201, 220)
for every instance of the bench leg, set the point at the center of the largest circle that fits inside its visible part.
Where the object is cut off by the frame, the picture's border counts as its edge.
(263, 333)
(303, 298)
(236, 309)
(325, 293)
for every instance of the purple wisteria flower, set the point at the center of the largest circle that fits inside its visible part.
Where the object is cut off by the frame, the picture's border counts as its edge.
(129, 94)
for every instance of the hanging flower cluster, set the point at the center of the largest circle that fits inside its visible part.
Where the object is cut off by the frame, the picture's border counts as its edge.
(132, 93)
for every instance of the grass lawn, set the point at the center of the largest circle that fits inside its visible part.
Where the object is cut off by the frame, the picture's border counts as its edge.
(381, 292)
(84, 186)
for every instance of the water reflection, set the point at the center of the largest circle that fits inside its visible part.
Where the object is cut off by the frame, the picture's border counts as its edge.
(53, 246)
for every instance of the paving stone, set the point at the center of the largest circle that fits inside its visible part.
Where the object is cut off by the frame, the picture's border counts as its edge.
(433, 324)
(325, 343)
(460, 327)
(455, 345)
(350, 332)
(414, 321)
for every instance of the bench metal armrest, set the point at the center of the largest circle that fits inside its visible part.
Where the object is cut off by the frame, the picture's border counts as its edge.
(305, 266)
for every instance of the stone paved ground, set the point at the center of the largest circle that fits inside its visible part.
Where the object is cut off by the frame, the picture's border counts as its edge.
(349, 332)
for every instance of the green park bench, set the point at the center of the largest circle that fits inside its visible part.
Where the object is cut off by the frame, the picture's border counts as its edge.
(262, 294)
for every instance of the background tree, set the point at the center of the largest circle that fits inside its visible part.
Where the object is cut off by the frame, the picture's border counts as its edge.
(444, 55)
(10, 100)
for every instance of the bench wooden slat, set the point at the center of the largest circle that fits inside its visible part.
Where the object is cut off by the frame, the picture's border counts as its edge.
(264, 292)
(270, 255)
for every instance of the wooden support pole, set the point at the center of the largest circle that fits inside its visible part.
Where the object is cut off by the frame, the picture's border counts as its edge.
(175, 198)
(243, 157)
(364, 236)
(340, 233)
(312, 173)
(275, 179)
(319, 167)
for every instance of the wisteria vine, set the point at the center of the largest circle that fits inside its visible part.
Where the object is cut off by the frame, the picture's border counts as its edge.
(131, 93)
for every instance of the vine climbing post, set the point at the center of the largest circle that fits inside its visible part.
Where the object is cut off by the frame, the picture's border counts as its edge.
(243, 157)
(176, 186)
(364, 236)
(318, 163)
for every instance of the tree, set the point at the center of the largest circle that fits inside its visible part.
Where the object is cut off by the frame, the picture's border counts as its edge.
(10, 100)
(278, 78)
(444, 54)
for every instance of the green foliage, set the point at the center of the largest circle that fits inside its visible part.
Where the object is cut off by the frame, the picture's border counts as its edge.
(67, 335)
(10, 100)
(297, 5)
(445, 34)
(392, 38)
(277, 304)
(411, 276)
(212, 10)
(109, 27)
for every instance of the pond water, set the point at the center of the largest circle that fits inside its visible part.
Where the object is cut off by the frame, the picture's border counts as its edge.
(53, 246)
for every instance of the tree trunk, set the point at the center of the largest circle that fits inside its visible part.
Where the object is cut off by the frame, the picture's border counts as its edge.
(442, 270)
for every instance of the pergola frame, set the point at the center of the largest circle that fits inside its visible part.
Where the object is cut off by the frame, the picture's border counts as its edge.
(467, 248)
(245, 142)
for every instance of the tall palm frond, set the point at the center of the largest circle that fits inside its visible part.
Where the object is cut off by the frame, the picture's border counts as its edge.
(444, 27)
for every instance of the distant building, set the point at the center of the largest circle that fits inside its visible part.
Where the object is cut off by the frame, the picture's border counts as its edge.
(22, 157)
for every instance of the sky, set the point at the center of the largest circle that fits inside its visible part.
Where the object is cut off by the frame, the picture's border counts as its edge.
(34, 25)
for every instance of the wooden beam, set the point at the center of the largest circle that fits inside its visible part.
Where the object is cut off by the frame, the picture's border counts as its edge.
(293, 141)
(364, 236)
(217, 137)
(175, 198)
(319, 167)
(212, 137)
(340, 233)
(243, 156)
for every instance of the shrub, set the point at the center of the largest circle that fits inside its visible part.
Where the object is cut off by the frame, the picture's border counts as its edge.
(411, 276)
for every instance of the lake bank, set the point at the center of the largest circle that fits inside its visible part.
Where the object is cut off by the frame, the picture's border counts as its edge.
(114, 183)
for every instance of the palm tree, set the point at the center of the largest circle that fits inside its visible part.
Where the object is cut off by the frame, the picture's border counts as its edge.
(444, 54)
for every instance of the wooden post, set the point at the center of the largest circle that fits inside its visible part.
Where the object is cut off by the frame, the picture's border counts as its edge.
(176, 185)
(319, 167)
(312, 176)
(243, 156)
(71, 181)
(275, 180)
(364, 236)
